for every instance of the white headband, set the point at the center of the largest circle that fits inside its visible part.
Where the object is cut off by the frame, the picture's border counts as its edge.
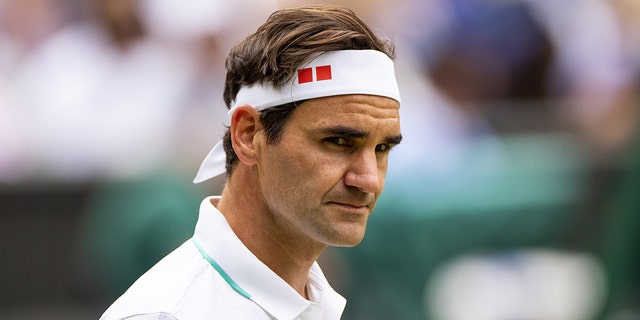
(329, 74)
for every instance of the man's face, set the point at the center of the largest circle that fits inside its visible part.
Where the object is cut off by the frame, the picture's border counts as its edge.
(321, 180)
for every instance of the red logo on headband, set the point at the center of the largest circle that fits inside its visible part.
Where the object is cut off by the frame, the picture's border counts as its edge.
(322, 73)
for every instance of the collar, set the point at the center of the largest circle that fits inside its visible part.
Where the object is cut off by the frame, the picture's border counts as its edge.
(241, 268)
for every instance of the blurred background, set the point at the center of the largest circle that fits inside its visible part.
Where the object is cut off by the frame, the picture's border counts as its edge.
(515, 194)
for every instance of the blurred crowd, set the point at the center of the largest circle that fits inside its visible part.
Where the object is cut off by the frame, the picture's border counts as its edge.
(508, 106)
(98, 89)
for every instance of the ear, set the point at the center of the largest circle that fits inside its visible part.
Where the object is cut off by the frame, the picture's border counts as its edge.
(245, 125)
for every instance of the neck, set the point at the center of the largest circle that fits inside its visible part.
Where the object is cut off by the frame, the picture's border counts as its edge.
(286, 252)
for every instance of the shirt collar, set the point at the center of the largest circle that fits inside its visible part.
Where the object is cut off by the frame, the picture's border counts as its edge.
(267, 289)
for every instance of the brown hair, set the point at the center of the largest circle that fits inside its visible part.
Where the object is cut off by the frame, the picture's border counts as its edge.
(280, 46)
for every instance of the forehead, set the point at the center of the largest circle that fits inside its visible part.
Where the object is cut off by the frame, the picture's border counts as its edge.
(348, 108)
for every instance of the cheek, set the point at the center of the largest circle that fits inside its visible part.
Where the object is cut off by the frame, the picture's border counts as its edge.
(382, 169)
(308, 174)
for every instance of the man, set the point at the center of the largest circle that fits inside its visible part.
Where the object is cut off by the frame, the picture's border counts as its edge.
(313, 115)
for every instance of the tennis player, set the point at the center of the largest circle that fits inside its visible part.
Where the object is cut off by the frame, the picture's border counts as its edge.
(313, 114)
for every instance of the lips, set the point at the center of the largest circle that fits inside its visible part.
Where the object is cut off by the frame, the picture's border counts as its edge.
(351, 204)
(358, 208)
(353, 201)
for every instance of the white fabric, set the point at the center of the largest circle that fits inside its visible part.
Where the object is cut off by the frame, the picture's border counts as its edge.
(351, 72)
(184, 285)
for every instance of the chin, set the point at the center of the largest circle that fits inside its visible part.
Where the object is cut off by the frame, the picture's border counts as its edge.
(350, 240)
(347, 244)
(341, 234)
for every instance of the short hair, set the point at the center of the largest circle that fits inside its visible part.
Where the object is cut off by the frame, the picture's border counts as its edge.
(280, 46)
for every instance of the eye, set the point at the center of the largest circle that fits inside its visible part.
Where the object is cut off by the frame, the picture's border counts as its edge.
(337, 141)
(383, 147)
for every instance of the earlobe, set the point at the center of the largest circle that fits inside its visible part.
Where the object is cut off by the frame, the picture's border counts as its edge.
(245, 124)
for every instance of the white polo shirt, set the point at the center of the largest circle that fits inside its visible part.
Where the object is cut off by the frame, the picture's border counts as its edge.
(214, 276)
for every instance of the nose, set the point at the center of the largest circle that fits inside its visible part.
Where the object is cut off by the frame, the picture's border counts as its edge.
(364, 173)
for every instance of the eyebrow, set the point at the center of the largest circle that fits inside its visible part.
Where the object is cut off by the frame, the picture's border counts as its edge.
(346, 132)
(393, 140)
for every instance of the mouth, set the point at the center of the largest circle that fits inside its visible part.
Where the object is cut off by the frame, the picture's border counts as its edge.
(351, 207)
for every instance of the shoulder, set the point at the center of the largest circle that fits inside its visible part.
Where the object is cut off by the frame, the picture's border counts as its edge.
(181, 286)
